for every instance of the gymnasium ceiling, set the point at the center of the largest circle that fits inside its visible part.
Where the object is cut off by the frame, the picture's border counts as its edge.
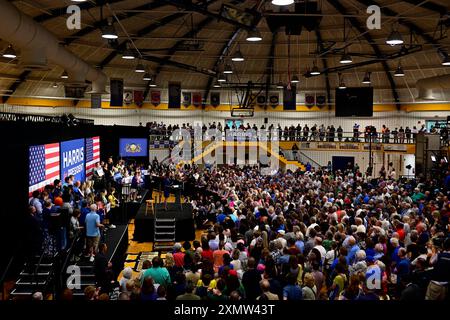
(160, 30)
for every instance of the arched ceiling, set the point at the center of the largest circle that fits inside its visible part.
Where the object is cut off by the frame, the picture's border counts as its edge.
(159, 29)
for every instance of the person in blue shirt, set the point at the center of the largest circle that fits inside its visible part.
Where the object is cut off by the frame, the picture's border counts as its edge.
(308, 166)
(353, 249)
(394, 257)
(221, 217)
(402, 268)
(93, 226)
(292, 291)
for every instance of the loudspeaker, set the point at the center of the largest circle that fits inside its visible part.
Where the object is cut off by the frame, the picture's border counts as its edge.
(266, 120)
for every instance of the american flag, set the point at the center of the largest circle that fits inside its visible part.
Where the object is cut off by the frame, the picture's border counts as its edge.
(92, 154)
(44, 165)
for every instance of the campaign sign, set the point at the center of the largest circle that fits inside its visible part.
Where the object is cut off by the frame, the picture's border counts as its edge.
(133, 147)
(72, 159)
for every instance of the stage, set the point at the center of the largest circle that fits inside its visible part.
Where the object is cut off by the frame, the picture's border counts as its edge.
(184, 222)
(117, 242)
(129, 209)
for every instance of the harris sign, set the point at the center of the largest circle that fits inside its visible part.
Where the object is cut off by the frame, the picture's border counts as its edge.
(73, 159)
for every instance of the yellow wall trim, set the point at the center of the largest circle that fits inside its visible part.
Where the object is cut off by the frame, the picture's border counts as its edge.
(53, 103)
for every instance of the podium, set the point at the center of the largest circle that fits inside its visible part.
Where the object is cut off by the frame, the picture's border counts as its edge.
(176, 190)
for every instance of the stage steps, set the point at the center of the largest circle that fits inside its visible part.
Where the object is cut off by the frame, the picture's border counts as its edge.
(37, 275)
(164, 234)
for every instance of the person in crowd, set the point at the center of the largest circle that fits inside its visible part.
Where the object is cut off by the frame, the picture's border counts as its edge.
(93, 226)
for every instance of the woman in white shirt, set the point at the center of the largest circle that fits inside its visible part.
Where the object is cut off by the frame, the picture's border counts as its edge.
(236, 263)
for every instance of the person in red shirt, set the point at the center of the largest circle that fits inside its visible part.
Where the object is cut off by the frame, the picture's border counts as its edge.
(207, 253)
(178, 255)
(293, 250)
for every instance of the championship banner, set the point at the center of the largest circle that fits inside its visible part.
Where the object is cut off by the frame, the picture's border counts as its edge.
(96, 101)
(215, 99)
(187, 98)
(274, 99)
(138, 96)
(72, 159)
(197, 99)
(174, 95)
(155, 97)
(116, 88)
(321, 100)
(289, 98)
(128, 97)
(310, 100)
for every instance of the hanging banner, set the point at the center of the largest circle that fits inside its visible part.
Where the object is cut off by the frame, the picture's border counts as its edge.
(138, 96)
(187, 99)
(274, 99)
(128, 97)
(197, 99)
(155, 97)
(289, 98)
(321, 100)
(96, 101)
(116, 88)
(310, 100)
(215, 99)
(174, 95)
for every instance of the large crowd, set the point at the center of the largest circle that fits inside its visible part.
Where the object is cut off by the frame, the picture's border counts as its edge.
(316, 235)
(314, 133)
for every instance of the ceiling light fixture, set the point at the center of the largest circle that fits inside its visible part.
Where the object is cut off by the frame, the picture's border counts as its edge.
(108, 31)
(395, 38)
(64, 75)
(399, 72)
(342, 85)
(446, 61)
(238, 56)
(221, 78)
(346, 58)
(366, 79)
(152, 84)
(147, 77)
(139, 68)
(253, 35)
(295, 79)
(282, 2)
(216, 84)
(315, 70)
(128, 55)
(227, 69)
(280, 85)
(9, 53)
(55, 85)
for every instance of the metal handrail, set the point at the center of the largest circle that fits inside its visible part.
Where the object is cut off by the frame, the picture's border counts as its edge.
(347, 136)
(66, 260)
(312, 161)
